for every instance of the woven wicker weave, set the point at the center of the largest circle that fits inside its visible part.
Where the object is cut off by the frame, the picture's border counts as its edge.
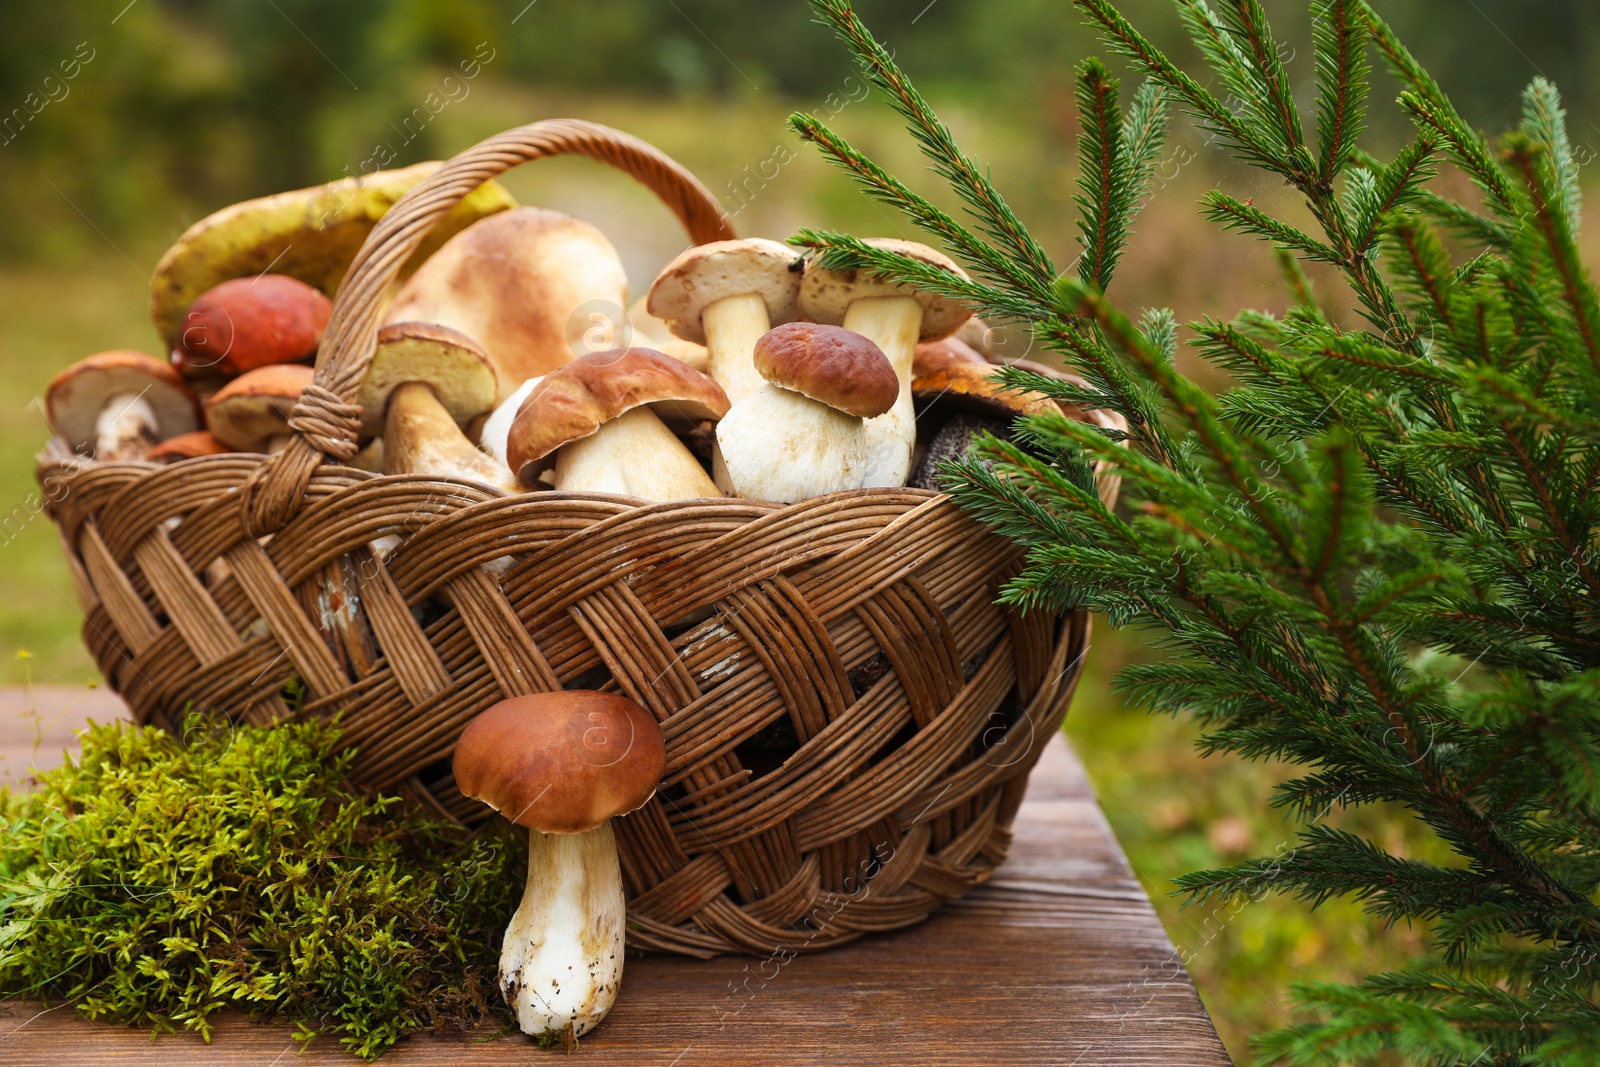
(849, 716)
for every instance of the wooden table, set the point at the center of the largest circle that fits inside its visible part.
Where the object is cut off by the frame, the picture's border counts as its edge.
(1057, 960)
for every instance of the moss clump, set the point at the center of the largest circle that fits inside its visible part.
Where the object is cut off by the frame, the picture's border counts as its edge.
(154, 882)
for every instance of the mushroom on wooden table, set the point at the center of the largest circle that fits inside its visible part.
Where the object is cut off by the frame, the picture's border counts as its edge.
(803, 433)
(725, 295)
(251, 413)
(562, 765)
(424, 383)
(895, 316)
(120, 404)
(596, 425)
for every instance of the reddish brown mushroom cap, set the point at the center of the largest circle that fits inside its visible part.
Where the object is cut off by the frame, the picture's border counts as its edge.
(252, 409)
(562, 762)
(977, 389)
(247, 323)
(829, 364)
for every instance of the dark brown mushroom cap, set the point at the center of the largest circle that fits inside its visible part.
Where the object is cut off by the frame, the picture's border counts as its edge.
(577, 398)
(829, 364)
(562, 762)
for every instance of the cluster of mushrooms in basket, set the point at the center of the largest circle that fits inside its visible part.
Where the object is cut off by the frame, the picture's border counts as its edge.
(752, 373)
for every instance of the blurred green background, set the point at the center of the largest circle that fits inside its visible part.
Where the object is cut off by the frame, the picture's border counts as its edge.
(123, 122)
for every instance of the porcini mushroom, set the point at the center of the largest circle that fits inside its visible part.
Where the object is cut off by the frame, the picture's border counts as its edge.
(896, 317)
(598, 421)
(251, 413)
(803, 433)
(725, 295)
(187, 446)
(563, 764)
(956, 403)
(515, 284)
(311, 234)
(120, 403)
(424, 383)
(247, 323)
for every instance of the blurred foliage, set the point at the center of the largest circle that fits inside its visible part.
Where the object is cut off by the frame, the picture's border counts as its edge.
(180, 105)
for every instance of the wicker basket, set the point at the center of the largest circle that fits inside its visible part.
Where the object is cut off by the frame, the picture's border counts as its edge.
(850, 718)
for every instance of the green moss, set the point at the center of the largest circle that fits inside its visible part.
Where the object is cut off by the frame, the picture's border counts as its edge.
(153, 883)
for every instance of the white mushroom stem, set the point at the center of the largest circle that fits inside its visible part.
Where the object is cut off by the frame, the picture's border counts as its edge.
(561, 962)
(892, 323)
(733, 325)
(633, 455)
(777, 444)
(126, 428)
(421, 437)
(498, 426)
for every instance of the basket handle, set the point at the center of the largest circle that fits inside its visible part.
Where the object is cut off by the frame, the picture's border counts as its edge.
(327, 419)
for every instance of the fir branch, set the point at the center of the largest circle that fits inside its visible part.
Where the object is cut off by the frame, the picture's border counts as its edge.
(1342, 83)
(1235, 214)
(936, 141)
(1207, 109)
(1312, 545)
(1115, 160)
(886, 189)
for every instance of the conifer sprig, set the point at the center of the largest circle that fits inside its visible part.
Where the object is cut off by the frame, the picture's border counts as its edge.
(1376, 556)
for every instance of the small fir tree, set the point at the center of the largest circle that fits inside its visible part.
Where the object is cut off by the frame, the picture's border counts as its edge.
(1374, 556)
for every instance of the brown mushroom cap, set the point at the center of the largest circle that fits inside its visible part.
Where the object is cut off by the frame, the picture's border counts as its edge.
(831, 365)
(247, 323)
(825, 295)
(187, 446)
(562, 762)
(707, 273)
(575, 400)
(452, 363)
(252, 409)
(75, 397)
(977, 389)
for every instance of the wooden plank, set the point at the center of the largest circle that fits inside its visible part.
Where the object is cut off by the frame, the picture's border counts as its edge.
(1059, 959)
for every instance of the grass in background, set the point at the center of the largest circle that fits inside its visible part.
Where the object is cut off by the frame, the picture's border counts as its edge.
(1173, 811)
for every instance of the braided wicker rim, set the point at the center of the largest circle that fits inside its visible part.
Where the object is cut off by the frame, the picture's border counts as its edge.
(850, 717)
